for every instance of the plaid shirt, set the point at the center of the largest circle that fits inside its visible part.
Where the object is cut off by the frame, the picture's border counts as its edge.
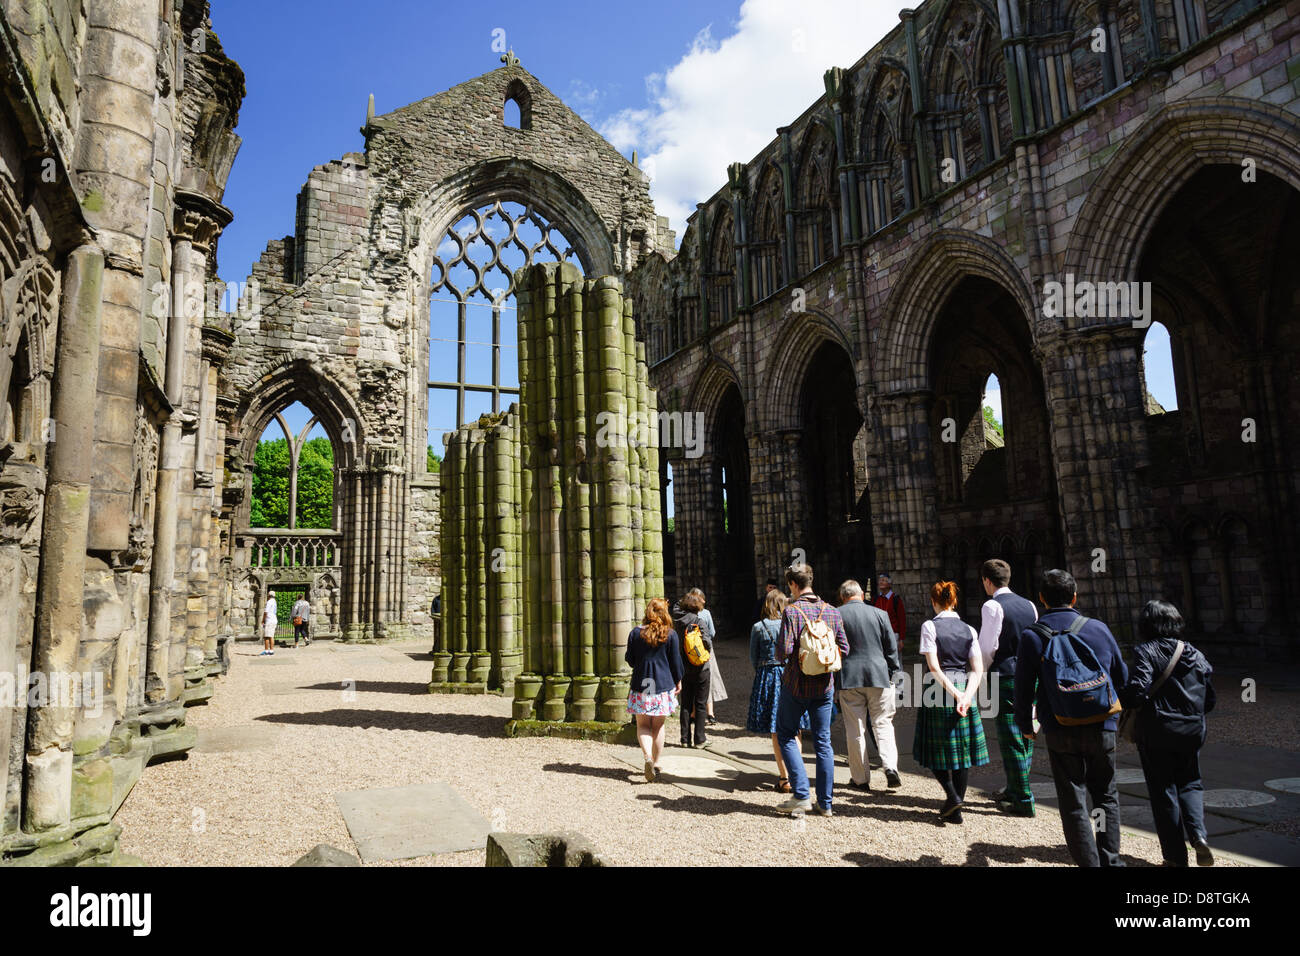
(797, 612)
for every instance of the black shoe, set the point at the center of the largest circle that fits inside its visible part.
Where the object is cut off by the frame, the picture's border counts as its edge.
(1203, 855)
(892, 779)
(864, 787)
(950, 806)
(999, 796)
(955, 818)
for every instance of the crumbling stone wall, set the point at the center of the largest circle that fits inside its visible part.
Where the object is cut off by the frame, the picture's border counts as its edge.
(115, 148)
(341, 314)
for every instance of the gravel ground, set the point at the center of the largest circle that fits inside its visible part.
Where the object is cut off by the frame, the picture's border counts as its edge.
(269, 805)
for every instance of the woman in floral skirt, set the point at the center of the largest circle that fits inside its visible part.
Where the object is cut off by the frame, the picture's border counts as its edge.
(767, 680)
(654, 652)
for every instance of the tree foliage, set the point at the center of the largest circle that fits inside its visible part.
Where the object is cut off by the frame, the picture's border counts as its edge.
(270, 506)
(435, 461)
(993, 423)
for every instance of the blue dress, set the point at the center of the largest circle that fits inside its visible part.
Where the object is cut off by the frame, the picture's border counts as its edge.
(767, 679)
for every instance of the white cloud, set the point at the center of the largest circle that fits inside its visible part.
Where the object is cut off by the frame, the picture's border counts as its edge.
(722, 102)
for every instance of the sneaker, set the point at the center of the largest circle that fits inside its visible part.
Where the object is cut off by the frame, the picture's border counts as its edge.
(658, 773)
(649, 772)
(794, 806)
(1203, 855)
(263, 654)
(822, 811)
(712, 720)
(892, 779)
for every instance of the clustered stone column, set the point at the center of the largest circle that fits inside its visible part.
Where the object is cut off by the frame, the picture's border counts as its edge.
(593, 545)
(551, 513)
(478, 646)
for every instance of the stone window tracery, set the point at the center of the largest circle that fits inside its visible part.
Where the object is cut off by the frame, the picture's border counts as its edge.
(473, 350)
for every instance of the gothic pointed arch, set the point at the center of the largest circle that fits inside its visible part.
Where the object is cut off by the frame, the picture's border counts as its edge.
(797, 341)
(927, 281)
(1124, 204)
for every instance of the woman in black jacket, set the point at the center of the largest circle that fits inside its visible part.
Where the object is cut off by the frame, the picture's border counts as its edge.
(695, 677)
(655, 655)
(1170, 729)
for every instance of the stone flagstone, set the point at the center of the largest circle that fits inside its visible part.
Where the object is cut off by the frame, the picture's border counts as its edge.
(397, 823)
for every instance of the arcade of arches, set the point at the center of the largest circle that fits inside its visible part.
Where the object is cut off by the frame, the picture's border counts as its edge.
(833, 317)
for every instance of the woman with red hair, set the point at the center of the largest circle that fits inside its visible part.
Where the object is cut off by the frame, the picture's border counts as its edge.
(949, 735)
(654, 652)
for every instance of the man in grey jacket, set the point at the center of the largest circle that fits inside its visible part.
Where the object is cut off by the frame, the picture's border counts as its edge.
(865, 685)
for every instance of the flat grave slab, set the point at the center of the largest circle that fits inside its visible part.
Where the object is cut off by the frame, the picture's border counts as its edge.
(236, 739)
(398, 823)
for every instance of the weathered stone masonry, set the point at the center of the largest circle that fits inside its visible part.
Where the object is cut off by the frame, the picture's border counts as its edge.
(115, 143)
(914, 214)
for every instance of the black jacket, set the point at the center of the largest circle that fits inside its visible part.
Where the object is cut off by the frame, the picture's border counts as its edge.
(1175, 718)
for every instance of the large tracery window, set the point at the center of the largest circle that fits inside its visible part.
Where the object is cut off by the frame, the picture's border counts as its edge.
(473, 343)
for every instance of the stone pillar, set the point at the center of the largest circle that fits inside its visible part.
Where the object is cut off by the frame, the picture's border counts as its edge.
(1096, 400)
(1014, 50)
(903, 497)
(925, 168)
(47, 797)
(589, 494)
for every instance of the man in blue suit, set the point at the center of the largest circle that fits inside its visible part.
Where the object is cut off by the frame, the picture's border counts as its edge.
(1082, 756)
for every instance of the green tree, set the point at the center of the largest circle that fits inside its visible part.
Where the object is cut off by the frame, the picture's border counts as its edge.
(270, 485)
(435, 462)
(993, 422)
(316, 484)
(270, 506)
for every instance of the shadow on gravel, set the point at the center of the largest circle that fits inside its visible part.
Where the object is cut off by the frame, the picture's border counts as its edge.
(707, 806)
(625, 774)
(471, 725)
(871, 859)
(373, 686)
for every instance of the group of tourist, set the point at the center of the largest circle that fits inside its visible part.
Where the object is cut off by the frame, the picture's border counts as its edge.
(1060, 675)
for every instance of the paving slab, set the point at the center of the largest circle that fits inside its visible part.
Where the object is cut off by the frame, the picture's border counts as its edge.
(236, 739)
(398, 823)
(1259, 848)
(1138, 816)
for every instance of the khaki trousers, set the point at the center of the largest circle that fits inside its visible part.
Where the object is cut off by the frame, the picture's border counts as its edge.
(875, 704)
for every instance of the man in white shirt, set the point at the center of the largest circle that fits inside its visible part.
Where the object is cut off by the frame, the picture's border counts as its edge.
(268, 625)
(1003, 618)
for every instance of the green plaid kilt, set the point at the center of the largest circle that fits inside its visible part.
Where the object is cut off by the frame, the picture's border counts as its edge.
(945, 741)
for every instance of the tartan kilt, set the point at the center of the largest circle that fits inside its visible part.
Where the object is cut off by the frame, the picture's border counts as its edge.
(945, 741)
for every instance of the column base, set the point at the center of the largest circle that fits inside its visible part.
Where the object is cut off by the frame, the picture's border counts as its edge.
(604, 731)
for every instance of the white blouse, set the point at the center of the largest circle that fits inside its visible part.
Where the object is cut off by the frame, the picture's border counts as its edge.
(928, 645)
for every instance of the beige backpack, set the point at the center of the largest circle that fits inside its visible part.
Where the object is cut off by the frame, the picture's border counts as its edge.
(818, 652)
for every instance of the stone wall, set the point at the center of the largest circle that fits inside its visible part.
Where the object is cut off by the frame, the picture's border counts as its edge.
(1063, 163)
(117, 143)
(426, 553)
